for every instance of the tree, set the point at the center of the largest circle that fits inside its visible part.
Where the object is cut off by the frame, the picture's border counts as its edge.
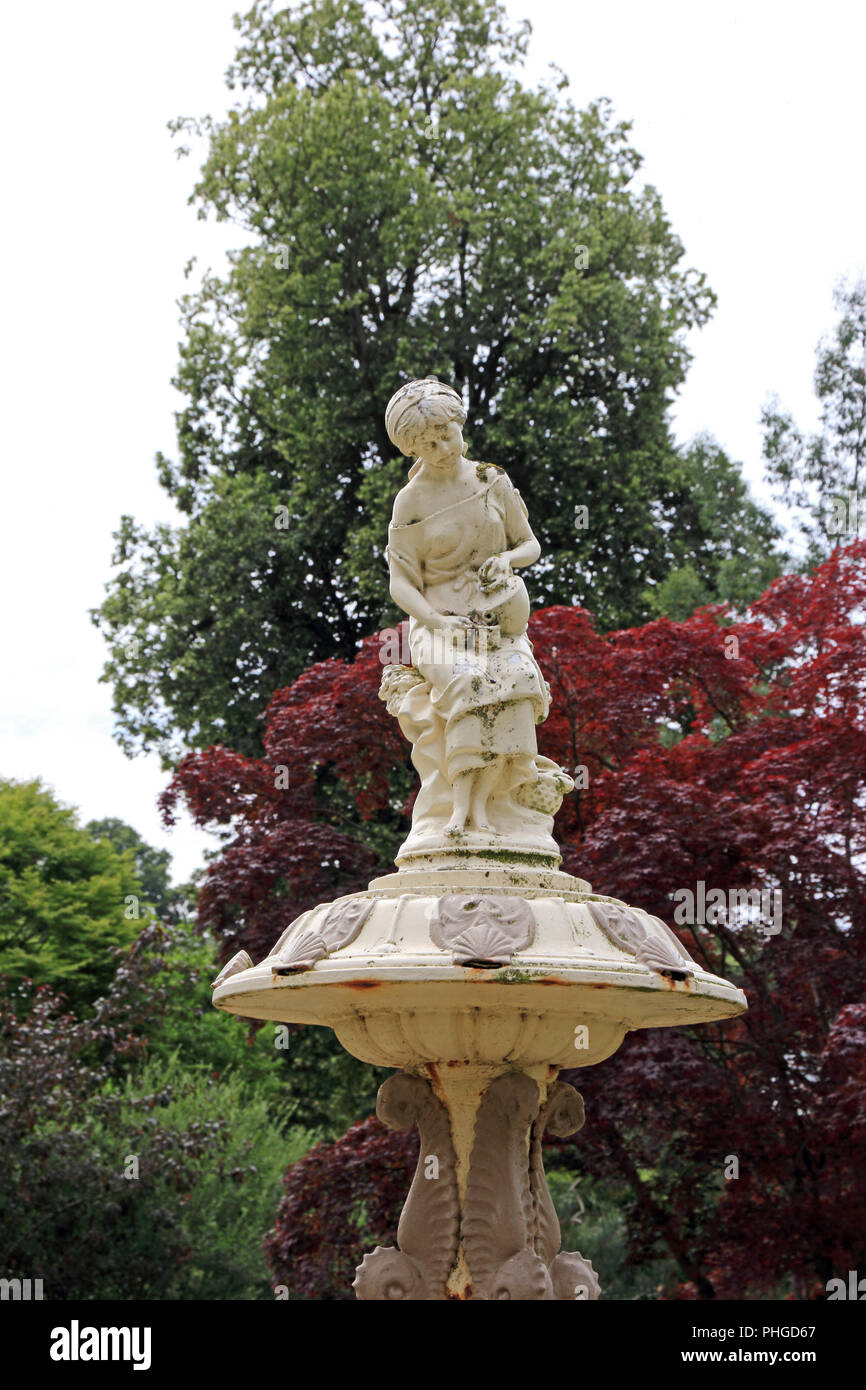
(67, 901)
(151, 865)
(824, 474)
(411, 208)
(726, 547)
(728, 750)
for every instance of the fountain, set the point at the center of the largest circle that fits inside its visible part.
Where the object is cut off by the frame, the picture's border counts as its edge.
(478, 970)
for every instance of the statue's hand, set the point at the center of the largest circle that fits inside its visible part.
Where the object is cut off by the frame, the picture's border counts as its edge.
(494, 572)
(451, 621)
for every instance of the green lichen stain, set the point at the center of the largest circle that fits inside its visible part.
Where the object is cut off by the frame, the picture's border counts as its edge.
(513, 976)
(511, 856)
(481, 470)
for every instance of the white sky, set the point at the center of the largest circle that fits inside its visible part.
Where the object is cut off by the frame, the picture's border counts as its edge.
(750, 120)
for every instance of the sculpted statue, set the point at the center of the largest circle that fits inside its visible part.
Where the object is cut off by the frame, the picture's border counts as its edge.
(471, 700)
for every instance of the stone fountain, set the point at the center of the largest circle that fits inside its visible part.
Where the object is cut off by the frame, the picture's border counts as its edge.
(478, 970)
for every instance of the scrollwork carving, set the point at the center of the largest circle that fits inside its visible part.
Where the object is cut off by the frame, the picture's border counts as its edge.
(509, 1229)
(562, 1114)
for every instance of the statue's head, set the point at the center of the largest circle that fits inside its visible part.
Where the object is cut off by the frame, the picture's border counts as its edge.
(421, 410)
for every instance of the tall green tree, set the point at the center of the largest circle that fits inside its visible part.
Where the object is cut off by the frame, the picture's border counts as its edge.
(151, 865)
(67, 901)
(410, 208)
(824, 474)
(727, 547)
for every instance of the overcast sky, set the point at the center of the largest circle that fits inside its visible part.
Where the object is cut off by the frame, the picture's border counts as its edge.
(750, 120)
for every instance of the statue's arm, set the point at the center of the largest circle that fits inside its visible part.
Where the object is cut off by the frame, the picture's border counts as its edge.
(524, 548)
(407, 595)
(526, 553)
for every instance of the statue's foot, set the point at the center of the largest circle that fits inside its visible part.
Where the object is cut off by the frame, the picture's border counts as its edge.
(456, 825)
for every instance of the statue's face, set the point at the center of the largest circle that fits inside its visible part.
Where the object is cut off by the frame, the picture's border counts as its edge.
(442, 443)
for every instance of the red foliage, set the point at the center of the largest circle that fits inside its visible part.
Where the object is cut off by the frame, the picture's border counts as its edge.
(727, 750)
(341, 1200)
(284, 857)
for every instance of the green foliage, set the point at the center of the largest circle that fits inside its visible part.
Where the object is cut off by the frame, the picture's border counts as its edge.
(593, 1218)
(303, 1075)
(228, 1188)
(325, 1089)
(725, 545)
(824, 475)
(151, 865)
(128, 1179)
(680, 594)
(414, 209)
(67, 901)
(180, 1019)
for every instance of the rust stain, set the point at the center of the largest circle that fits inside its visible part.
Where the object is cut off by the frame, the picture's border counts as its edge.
(436, 1082)
(552, 980)
(360, 984)
(674, 978)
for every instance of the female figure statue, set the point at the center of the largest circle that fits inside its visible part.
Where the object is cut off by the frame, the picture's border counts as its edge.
(475, 692)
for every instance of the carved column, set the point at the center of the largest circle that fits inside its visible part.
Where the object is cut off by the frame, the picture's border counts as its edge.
(478, 1222)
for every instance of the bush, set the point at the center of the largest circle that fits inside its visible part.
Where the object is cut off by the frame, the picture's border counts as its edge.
(128, 1178)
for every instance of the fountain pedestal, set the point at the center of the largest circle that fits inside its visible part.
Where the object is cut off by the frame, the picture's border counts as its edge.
(478, 985)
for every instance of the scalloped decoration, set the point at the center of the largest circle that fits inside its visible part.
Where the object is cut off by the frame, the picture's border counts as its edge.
(574, 1277)
(386, 1273)
(341, 924)
(619, 924)
(483, 931)
(239, 961)
(625, 929)
(659, 955)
